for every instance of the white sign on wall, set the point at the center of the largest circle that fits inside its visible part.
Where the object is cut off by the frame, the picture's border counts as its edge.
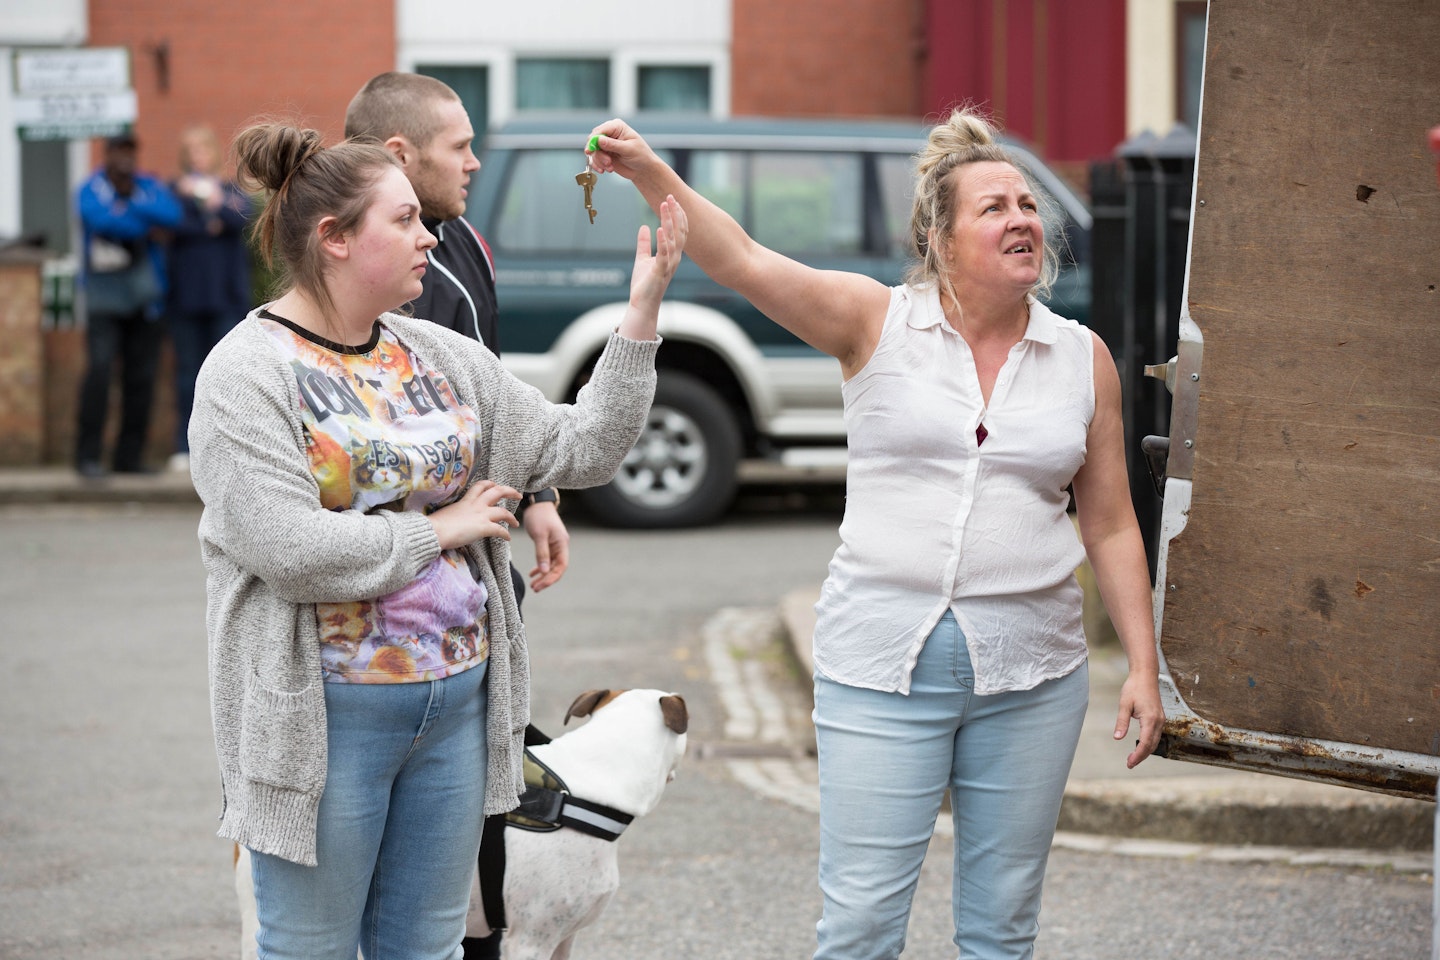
(73, 94)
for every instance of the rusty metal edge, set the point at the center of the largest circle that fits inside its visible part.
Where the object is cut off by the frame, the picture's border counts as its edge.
(1190, 737)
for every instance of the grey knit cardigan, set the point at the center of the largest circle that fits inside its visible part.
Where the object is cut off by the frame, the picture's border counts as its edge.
(271, 553)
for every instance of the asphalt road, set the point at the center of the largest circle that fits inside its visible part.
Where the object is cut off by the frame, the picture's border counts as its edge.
(108, 788)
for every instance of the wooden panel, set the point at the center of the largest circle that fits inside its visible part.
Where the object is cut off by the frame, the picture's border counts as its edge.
(1303, 596)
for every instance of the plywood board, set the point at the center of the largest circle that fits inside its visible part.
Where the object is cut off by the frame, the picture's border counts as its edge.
(1303, 595)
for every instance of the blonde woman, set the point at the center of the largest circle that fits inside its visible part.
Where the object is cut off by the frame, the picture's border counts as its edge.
(209, 269)
(949, 652)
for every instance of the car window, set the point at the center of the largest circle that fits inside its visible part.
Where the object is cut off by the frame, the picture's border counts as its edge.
(808, 202)
(543, 208)
(799, 203)
(719, 176)
(896, 172)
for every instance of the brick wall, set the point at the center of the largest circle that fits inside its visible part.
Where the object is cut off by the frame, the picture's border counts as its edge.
(827, 57)
(225, 63)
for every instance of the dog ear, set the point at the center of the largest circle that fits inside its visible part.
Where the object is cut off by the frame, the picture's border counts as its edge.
(585, 704)
(677, 717)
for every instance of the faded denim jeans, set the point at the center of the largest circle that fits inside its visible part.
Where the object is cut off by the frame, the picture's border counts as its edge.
(399, 828)
(886, 760)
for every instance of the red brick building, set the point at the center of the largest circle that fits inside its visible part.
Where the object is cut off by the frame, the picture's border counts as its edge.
(1052, 72)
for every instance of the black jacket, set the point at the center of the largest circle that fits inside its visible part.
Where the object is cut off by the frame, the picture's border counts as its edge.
(459, 293)
(459, 286)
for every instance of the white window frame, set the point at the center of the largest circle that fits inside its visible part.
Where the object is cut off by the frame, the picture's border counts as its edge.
(625, 64)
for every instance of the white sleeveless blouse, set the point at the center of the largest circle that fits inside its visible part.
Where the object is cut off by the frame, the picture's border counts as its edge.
(936, 520)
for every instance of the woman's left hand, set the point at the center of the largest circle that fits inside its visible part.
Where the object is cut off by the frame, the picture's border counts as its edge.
(476, 515)
(1140, 700)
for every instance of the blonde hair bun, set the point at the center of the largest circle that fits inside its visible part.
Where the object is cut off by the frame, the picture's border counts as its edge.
(960, 134)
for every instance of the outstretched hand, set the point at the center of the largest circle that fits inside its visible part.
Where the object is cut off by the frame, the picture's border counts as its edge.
(619, 150)
(652, 273)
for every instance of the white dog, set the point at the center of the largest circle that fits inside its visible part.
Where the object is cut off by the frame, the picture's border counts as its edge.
(558, 882)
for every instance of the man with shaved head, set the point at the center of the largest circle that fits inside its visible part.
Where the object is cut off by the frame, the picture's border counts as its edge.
(423, 122)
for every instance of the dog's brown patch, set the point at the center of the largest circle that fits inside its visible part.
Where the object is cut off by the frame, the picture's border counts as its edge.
(677, 717)
(590, 701)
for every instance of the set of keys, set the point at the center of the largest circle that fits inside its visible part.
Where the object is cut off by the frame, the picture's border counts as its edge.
(587, 180)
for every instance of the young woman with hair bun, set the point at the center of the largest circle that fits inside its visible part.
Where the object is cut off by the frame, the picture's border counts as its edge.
(368, 669)
(949, 650)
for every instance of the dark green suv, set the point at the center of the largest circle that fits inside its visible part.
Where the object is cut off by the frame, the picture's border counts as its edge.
(736, 391)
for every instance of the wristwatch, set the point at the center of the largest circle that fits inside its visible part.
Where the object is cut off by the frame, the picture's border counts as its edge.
(547, 495)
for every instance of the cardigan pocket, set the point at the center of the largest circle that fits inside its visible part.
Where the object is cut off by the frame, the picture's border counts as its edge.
(283, 736)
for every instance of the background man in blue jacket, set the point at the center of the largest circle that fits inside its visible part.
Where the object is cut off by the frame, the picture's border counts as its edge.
(124, 215)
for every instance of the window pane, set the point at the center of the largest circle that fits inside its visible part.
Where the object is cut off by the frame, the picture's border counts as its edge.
(807, 202)
(719, 176)
(45, 192)
(675, 88)
(543, 209)
(562, 84)
(471, 83)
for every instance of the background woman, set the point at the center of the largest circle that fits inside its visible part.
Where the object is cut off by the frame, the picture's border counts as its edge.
(209, 269)
(949, 651)
(368, 669)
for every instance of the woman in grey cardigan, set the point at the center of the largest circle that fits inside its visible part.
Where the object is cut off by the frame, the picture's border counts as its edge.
(368, 667)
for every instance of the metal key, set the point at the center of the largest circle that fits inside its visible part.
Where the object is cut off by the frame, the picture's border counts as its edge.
(587, 180)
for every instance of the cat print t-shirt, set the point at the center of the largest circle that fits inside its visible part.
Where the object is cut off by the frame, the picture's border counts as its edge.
(385, 432)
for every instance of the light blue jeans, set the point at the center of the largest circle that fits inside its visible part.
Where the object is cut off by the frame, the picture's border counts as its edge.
(399, 828)
(886, 760)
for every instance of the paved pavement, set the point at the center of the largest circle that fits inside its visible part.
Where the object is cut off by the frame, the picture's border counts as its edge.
(1162, 807)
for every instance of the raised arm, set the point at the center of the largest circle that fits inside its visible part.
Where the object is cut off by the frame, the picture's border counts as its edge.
(836, 312)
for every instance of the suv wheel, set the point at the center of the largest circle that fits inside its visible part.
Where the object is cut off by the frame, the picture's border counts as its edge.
(681, 472)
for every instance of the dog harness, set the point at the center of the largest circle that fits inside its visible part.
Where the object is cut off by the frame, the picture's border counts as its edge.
(546, 805)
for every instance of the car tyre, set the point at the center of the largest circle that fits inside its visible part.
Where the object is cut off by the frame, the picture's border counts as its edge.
(681, 472)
